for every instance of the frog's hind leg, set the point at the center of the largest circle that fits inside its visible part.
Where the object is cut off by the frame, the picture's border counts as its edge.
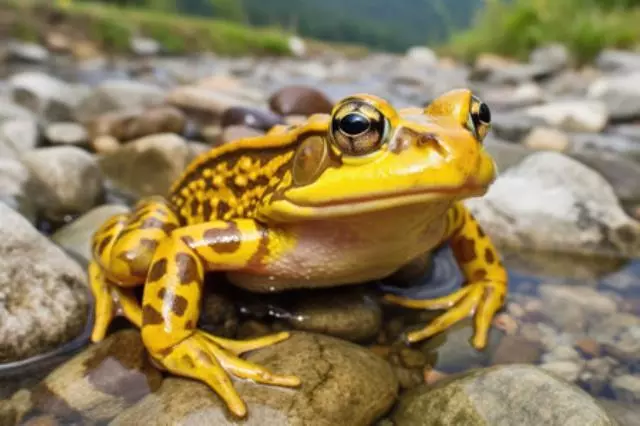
(122, 250)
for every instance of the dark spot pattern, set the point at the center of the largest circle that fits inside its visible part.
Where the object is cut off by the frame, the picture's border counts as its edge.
(179, 305)
(162, 293)
(479, 275)
(104, 243)
(481, 233)
(489, 256)
(464, 249)
(150, 316)
(225, 240)
(158, 270)
(187, 268)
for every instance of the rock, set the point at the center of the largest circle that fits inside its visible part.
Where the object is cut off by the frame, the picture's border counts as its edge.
(568, 370)
(572, 115)
(76, 236)
(562, 353)
(234, 133)
(26, 52)
(117, 95)
(66, 133)
(105, 144)
(508, 99)
(556, 296)
(451, 351)
(297, 46)
(100, 382)
(144, 46)
(554, 56)
(204, 102)
(148, 165)
(516, 74)
(599, 143)
(506, 154)
(43, 292)
(350, 314)
(47, 96)
(303, 100)
(342, 383)
(126, 125)
(516, 350)
(500, 395)
(626, 414)
(513, 126)
(620, 94)
(544, 138)
(66, 179)
(630, 131)
(258, 119)
(617, 60)
(14, 178)
(422, 55)
(620, 172)
(552, 202)
(627, 388)
(10, 111)
(18, 136)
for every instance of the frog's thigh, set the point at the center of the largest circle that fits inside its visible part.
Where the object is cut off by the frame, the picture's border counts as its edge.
(122, 248)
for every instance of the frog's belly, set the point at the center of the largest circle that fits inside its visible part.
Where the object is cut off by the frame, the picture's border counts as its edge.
(332, 256)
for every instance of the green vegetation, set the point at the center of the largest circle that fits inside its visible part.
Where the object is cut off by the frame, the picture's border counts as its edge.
(513, 28)
(377, 24)
(112, 27)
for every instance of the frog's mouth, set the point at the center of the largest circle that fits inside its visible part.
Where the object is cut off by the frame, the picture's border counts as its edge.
(287, 209)
(409, 195)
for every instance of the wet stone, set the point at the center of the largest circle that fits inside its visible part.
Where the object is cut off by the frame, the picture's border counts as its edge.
(146, 166)
(254, 118)
(349, 314)
(303, 100)
(98, 383)
(500, 395)
(129, 124)
(67, 180)
(43, 292)
(342, 383)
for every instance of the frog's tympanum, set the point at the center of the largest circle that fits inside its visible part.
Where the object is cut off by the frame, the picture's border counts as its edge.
(342, 199)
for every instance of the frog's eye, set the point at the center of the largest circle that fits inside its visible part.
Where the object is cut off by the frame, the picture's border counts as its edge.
(479, 120)
(357, 128)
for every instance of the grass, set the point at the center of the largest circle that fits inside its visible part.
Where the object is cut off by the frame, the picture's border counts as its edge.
(516, 27)
(113, 27)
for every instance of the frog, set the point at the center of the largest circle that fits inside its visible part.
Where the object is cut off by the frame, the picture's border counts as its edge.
(343, 198)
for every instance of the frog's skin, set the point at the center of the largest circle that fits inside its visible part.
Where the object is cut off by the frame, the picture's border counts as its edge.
(341, 199)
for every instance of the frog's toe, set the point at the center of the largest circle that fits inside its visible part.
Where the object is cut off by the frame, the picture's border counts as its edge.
(104, 304)
(241, 346)
(466, 303)
(201, 357)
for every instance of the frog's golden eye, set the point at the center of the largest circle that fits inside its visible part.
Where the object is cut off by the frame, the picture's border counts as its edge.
(479, 121)
(311, 159)
(357, 128)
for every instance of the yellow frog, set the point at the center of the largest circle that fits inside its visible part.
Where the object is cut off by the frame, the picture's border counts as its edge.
(342, 199)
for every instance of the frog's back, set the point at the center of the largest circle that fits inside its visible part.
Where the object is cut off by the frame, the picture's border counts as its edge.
(231, 180)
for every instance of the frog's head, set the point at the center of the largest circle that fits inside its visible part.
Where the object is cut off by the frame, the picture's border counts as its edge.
(366, 156)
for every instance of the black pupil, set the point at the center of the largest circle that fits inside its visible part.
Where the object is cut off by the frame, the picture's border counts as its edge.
(484, 114)
(354, 124)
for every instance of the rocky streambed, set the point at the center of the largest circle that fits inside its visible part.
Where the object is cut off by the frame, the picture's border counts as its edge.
(82, 140)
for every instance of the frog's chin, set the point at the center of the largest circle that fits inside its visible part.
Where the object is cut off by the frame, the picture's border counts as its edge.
(286, 209)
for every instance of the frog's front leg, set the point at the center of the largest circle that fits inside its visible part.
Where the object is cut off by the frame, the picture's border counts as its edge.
(171, 306)
(486, 281)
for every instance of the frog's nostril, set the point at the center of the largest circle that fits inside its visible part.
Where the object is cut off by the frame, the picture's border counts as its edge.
(431, 142)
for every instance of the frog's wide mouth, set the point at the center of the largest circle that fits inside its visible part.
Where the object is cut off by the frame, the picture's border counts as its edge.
(414, 194)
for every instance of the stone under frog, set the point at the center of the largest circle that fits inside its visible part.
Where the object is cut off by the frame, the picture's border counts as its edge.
(344, 198)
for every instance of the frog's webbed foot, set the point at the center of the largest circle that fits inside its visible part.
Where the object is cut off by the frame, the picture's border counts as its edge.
(110, 301)
(208, 358)
(480, 299)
